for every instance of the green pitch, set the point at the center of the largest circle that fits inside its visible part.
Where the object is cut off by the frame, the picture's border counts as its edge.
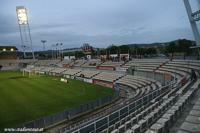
(23, 99)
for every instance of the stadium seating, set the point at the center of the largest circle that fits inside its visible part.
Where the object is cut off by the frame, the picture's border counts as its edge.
(71, 72)
(46, 62)
(187, 65)
(164, 108)
(77, 63)
(138, 85)
(9, 64)
(46, 70)
(64, 63)
(168, 119)
(91, 63)
(110, 63)
(192, 122)
(58, 70)
(87, 73)
(146, 64)
(108, 76)
(163, 114)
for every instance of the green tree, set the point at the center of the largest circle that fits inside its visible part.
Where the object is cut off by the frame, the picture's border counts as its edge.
(184, 46)
(151, 51)
(79, 54)
(171, 48)
(124, 49)
(103, 51)
(113, 49)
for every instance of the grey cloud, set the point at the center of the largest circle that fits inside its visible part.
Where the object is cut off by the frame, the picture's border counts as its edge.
(100, 23)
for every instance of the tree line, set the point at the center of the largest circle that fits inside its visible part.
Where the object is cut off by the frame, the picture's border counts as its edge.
(180, 47)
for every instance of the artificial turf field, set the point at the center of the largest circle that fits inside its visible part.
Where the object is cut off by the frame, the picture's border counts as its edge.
(23, 99)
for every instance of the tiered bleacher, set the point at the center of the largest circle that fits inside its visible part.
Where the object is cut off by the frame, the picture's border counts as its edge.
(92, 63)
(164, 105)
(174, 112)
(146, 64)
(180, 68)
(192, 122)
(186, 65)
(160, 116)
(64, 63)
(155, 108)
(71, 72)
(137, 86)
(108, 76)
(111, 63)
(77, 63)
(177, 70)
(46, 62)
(57, 71)
(87, 73)
(9, 64)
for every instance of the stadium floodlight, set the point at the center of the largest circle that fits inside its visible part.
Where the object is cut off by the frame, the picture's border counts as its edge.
(43, 42)
(193, 18)
(11, 49)
(22, 15)
(25, 34)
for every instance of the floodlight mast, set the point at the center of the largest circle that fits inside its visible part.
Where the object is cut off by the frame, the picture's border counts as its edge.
(24, 28)
(24, 48)
(43, 42)
(193, 17)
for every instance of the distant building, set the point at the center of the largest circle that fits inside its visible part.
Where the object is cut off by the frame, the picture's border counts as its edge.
(8, 48)
(8, 52)
(87, 49)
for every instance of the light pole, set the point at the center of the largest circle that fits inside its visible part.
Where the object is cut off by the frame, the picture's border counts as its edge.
(53, 45)
(24, 48)
(57, 50)
(61, 44)
(43, 42)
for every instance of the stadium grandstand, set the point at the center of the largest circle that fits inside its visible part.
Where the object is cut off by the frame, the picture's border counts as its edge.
(8, 52)
(156, 97)
(118, 89)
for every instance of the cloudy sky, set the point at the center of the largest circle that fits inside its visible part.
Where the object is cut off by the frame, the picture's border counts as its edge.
(98, 22)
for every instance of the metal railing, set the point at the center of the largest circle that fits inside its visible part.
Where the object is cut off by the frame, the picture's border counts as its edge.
(96, 126)
(48, 121)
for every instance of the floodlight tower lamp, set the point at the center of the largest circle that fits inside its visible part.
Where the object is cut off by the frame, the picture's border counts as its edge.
(192, 21)
(43, 42)
(24, 28)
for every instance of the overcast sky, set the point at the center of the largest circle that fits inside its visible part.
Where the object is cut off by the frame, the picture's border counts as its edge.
(98, 22)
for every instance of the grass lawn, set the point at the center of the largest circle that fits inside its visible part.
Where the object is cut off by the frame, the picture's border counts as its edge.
(23, 99)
